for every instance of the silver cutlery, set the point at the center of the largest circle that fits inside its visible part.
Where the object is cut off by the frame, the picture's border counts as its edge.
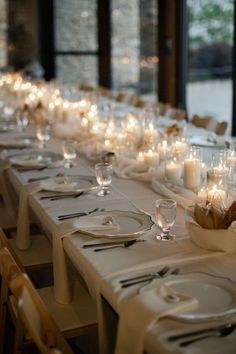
(220, 328)
(161, 273)
(64, 196)
(124, 244)
(74, 215)
(110, 243)
(151, 274)
(26, 169)
(223, 332)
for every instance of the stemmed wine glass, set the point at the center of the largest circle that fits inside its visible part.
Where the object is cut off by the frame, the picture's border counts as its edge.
(43, 134)
(69, 148)
(165, 218)
(103, 173)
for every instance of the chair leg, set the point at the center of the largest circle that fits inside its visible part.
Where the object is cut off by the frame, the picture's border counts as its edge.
(19, 337)
(3, 310)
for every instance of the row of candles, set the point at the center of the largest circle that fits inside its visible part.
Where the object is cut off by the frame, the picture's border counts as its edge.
(181, 162)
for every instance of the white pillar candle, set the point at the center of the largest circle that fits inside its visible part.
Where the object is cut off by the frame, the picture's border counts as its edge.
(173, 171)
(163, 150)
(192, 173)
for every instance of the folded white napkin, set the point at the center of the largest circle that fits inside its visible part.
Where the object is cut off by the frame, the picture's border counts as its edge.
(96, 223)
(183, 197)
(18, 160)
(139, 313)
(58, 186)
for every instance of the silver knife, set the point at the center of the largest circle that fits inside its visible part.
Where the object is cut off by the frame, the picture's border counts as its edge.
(110, 243)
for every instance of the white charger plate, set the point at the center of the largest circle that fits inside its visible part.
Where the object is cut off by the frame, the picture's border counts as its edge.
(18, 142)
(130, 224)
(70, 184)
(36, 159)
(206, 141)
(216, 296)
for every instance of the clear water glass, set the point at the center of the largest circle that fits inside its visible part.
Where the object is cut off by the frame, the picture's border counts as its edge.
(103, 172)
(69, 149)
(43, 134)
(166, 210)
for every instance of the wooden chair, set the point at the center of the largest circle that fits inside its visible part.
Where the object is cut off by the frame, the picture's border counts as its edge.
(86, 87)
(209, 123)
(75, 319)
(175, 113)
(37, 257)
(31, 315)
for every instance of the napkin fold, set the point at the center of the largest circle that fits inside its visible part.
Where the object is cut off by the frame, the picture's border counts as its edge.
(130, 167)
(139, 313)
(182, 196)
(62, 291)
(34, 162)
(97, 223)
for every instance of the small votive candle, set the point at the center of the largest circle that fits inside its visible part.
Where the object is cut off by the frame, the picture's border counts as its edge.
(151, 157)
(217, 196)
(173, 171)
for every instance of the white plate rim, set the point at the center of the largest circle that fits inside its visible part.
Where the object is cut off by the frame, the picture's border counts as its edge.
(223, 282)
(147, 220)
(91, 179)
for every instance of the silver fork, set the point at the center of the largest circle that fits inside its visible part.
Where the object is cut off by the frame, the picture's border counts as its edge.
(161, 273)
(74, 215)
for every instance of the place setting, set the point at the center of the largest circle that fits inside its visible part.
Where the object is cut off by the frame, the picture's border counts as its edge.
(36, 161)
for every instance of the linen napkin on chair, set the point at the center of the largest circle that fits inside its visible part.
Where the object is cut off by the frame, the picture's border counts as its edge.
(139, 313)
(85, 223)
(182, 196)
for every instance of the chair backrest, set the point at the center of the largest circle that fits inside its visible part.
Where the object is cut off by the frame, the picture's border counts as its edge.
(209, 123)
(36, 319)
(32, 311)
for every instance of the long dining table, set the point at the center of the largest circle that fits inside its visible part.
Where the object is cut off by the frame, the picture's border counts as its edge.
(103, 271)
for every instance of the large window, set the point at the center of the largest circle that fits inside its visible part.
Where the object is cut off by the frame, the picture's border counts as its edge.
(210, 38)
(76, 45)
(134, 45)
(3, 33)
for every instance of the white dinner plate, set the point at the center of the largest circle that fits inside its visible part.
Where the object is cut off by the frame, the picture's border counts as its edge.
(37, 159)
(17, 142)
(206, 141)
(216, 296)
(70, 184)
(130, 224)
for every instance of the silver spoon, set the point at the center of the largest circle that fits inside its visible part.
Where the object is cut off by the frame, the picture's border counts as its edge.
(223, 332)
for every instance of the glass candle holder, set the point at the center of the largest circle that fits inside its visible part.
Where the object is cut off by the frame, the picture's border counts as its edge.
(219, 161)
(192, 169)
(173, 170)
(217, 188)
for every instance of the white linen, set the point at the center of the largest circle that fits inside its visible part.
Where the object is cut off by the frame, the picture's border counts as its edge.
(182, 196)
(140, 312)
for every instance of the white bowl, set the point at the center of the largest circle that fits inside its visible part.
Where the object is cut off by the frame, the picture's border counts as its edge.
(211, 239)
